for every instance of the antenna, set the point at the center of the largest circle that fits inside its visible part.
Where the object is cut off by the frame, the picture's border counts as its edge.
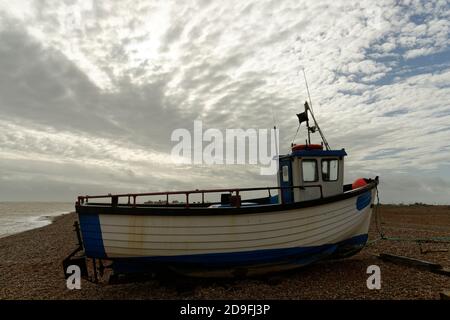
(273, 116)
(307, 89)
(274, 130)
(276, 138)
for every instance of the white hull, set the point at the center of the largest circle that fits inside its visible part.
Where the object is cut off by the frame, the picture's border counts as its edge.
(135, 236)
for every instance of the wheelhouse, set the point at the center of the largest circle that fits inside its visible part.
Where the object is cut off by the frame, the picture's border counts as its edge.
(310, 174)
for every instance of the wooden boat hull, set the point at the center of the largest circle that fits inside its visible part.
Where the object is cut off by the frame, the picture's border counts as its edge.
(209, 244)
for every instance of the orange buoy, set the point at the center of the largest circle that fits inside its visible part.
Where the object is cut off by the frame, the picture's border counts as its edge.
(359, 183)
(297, 147)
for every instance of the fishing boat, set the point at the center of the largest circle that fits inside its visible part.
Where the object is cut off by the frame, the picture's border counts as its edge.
(311, 215)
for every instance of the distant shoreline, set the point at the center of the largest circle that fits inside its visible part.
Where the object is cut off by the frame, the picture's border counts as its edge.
(44, 218)
(52, 219)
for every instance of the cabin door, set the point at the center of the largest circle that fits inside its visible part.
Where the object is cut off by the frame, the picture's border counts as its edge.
(310, 179)
(286, 180)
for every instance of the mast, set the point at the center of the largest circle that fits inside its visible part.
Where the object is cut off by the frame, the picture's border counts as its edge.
(313, 129)
(316, 127)
(307, 123)
(303, 117)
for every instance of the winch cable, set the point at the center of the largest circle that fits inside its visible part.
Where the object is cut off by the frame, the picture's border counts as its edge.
(382, 235)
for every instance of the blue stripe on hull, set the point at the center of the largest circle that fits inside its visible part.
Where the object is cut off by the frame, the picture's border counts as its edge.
(92, 236)
(300, 256)
(364, 200)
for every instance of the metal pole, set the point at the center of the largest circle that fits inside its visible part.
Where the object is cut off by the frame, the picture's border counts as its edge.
(307, 122)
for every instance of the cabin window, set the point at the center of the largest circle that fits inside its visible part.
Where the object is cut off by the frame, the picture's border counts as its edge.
(330, 170)
(309, 170)
(285, 173)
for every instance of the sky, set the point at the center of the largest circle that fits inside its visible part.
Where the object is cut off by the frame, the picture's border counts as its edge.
(91, 91)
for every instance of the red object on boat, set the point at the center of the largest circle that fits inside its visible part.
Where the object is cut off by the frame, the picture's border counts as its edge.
(297, 147)
(358, 183)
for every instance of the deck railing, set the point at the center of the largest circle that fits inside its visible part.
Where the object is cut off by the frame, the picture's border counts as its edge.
(131, 197)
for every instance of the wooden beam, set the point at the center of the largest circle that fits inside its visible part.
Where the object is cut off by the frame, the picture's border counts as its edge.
(431, 266)
(443, 271)
(410, 261)
(445, 295)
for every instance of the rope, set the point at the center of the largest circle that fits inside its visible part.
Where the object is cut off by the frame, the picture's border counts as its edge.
(378, 221)
(382, 236)
(422, 240)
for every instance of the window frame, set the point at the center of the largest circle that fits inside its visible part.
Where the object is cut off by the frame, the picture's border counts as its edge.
(316, 174)
(285, 173)
(337, 170)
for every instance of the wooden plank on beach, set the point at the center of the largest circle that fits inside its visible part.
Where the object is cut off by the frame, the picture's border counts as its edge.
(443, 271)
(445, 295)
(410, 261)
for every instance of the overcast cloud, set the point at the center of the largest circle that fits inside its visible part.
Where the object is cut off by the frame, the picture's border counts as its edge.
(90, 91)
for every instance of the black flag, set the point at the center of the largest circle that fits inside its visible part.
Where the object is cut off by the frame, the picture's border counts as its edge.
(302, 117)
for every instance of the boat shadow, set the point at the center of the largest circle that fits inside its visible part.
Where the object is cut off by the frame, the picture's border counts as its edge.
(186, 286)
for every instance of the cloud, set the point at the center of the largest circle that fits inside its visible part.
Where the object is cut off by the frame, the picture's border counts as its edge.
(90, 92)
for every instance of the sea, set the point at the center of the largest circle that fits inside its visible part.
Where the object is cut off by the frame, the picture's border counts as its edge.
(16, 217)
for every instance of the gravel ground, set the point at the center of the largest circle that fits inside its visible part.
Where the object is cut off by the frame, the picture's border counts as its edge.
(30, 268)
